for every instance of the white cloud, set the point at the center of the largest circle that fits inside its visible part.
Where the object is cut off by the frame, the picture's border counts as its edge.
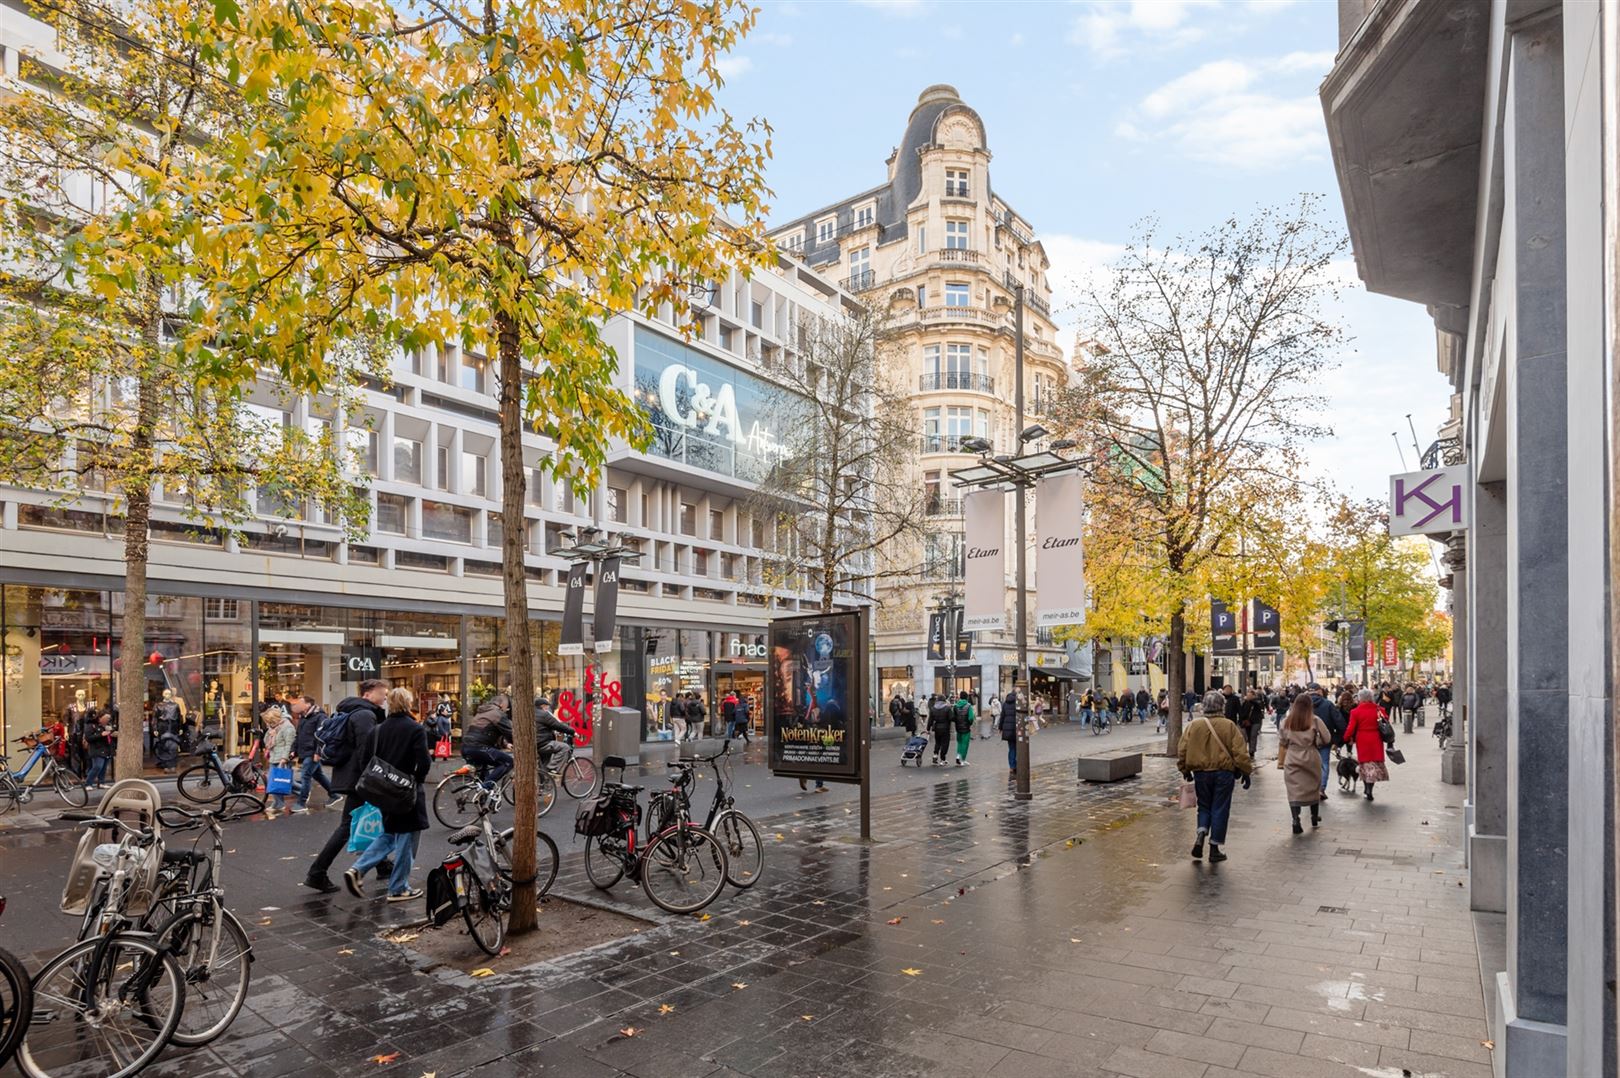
(1247, 115)
(1112, 29)
(772, 38)
(730, 67)
(1016, 40)
(902, 9)
(1077, 263)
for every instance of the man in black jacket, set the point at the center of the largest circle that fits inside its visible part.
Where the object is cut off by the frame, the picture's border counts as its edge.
(1334, 720)
(309, 717)
(1230, 700)
(345, 755)
(548, 728)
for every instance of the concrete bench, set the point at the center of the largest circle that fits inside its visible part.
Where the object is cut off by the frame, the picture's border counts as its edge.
(1110, 768)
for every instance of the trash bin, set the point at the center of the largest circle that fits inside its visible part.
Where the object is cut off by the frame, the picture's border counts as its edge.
(618, 733)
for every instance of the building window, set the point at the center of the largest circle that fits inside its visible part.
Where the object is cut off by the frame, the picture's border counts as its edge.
(617, 508)
(688, 518)
(756, 314)
(956, 235)
(931, 422)
(700, 562)
(220, 609)
(922, 296)
(726, 334)
(957, 295)
(958, 423)
(717, 524)
(959, 363)
(860, 268)
(472, 373)
(474, 475)
(756, 534)
(407, 460)
(931, 359)
(447, 523)
(392, 510)
(442, 467)
(956, 183)
(864, 216)
(981, 424)
(922, 239)
(793, 242)
(825, 228)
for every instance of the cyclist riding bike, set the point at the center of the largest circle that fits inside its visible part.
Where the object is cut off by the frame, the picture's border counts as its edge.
(549, 731)
(485, 737)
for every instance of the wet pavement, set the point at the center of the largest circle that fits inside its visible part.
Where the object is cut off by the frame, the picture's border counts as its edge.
(1070, 935)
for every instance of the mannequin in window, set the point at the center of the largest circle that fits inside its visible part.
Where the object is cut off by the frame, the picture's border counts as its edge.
(166, 722)
(74, 719)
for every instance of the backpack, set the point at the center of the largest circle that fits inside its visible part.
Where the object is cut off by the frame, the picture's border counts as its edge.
(962, 715)
(333, 739)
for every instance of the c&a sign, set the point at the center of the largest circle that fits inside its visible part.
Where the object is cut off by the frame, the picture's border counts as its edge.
(1430, 502)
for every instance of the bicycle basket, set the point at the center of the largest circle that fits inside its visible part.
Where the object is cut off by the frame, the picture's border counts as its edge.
(598, 816)
(134, 801)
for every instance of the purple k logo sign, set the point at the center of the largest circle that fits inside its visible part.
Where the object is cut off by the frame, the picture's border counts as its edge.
(1424, 502)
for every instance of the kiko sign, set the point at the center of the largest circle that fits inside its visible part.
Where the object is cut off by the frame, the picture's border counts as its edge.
(1429, 502)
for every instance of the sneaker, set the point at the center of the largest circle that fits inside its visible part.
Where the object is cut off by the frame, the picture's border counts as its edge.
(1215, 853)
(1198, 847)
(321, 883)
(958, 763)
(298, 810)
(961, 763)
(408, 895)
(353, 881)
(336, 804)
(269, 814)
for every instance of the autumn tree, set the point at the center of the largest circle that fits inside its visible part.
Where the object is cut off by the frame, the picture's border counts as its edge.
(505, 176)
(843, 486)
(1193, 398)
(112, 384)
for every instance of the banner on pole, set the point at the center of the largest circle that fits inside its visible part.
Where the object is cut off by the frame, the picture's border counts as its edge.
(1222, 629)
(607, 605)
(936, 637)
(1358, 638)
(571, 641)
(1266, 624)
(1372, 654)
(1059, 513)
(985, 513)
(1392, 652)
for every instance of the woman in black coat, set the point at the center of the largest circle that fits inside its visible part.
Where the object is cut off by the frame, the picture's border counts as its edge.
(401, 741)
(1009, 730)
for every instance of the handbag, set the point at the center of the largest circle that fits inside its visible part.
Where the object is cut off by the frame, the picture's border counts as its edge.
(1189, 795)
(280, 781)
(386, 786)
(441, 749)
(1396, 755)
(365, 824)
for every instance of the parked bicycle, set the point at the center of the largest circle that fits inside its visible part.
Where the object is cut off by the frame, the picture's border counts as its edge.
(682, 868)
(478, 875)
(15, 790)
(16, 1000)
(745, 852)
(210, 780)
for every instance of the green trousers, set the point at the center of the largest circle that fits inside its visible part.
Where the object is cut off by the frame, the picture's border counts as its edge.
(963, 740)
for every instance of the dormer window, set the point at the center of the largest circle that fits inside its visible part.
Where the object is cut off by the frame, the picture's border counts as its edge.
(956, 183)
(826, 228)
(865, 215)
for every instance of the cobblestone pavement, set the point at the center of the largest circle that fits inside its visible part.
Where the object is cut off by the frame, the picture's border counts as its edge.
(1068, 936)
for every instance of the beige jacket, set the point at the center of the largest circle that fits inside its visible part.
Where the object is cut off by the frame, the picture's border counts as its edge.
(1213, 743)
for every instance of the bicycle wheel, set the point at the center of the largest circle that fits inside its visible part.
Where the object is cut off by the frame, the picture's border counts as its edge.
(546, 859)
(545, 793)
(217, 962)
(200, 783)
(10, 793)
(604, 860)
(745, 853)
(16, 1004)
(69, 787)
(579, 778)
(484, 917)
(455, 801)
(93, 1019)
(684, 869)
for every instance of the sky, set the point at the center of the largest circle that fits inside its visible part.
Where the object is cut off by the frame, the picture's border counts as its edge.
(1100, 114)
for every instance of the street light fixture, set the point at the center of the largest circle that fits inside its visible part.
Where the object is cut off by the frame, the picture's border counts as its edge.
(1033, 432)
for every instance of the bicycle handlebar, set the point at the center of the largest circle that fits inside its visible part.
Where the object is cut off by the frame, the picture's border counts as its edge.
(92, 820)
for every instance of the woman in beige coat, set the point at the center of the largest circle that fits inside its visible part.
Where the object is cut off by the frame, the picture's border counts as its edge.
(1300, 741)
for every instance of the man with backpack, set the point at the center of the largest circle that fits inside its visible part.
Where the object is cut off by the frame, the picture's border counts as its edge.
(309, 716)
(942, 726)
(962, 718)
(340, 744)
(1334, 720)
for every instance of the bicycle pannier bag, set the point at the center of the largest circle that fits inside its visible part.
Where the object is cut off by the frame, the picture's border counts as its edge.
(595, 817)
(441, 897)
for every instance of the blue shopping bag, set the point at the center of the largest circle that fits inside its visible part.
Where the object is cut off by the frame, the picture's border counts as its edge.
(365, 825)
(279, 781)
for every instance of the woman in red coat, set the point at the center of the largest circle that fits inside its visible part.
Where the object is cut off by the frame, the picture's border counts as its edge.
(1363, 732)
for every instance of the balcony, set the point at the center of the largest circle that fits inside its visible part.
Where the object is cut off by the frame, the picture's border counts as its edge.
(943, 443)
(860, 282)
(972, 315)
(937, 506)
(978, 383)
(956, 256)
(1031, 300)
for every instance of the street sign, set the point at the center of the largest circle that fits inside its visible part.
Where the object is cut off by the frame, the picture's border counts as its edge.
(1429, 502)
(1222, 628)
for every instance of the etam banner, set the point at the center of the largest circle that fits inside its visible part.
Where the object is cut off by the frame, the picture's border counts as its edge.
(985, 595)
(1060, 598)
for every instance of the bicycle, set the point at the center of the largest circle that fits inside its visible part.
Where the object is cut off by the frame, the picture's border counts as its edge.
(68, 786)
(16, 1000)
(681, 870)
(745, 852)
(455, 797)
(480, 875)
(208, 781)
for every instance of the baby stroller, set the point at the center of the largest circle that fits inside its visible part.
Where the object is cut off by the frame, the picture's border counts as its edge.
(916, 745)
(1347, 768)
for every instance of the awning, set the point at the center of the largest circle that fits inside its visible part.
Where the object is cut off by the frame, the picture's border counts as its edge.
(1060, 673)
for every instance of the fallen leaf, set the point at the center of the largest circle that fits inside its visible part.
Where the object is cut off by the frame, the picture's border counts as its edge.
(674, 954)
(895, 920)
(345, 951)
(818, 902)
(1490, 1046)
(383, 1061)
(666, 1008)
(912, 972)
(264, 920)
(703, 917)
(1073, 940)
(504, 952)
(484, 972)
(269, 909)
(629, 1031)
(289, 858)
(430, 1074)
(780, 836)
(739, 984)
(939, 921)
(403, 937)
(745, 924)
(807, 1017)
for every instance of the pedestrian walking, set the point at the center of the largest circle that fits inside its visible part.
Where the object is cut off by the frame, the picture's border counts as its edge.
(1230, 701)
(988, 717)
(908, 716)
(1251, 714)
(1009, 729)
(278, 749)
(402, 742)
(1411, 704)
(306, 745)
(1213, 757)
(1300, 741)
(963, 718)
(1333, 719)
(340, 741)
(1143, 703)
(1365, 731)
(677, 716)
(942, 726)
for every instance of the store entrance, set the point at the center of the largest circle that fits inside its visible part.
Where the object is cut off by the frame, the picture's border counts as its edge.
(747, 680)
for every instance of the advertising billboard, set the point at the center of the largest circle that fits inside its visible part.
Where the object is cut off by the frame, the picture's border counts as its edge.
(815, 695)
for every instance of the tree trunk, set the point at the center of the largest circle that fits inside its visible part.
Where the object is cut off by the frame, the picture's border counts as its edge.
(137, 490)
(524, 751)
(1177, 654)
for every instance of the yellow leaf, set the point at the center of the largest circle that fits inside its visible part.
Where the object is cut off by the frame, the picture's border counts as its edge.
(666, 1008)
(484, 972)
(895, 920)
(807, 1017)
(912, 972)
(703, 917)
(345, 951)
(629, 1031)
(739, 984)
(745, 924)
(385, 1060)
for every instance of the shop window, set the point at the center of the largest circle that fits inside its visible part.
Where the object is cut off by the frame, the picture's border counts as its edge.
(414, 559)
(45, 516)
(222, 609)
